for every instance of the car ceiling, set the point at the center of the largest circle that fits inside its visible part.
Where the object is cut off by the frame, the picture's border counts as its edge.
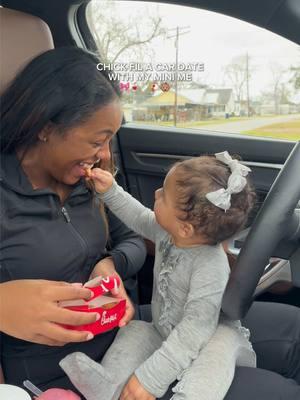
(279, 16)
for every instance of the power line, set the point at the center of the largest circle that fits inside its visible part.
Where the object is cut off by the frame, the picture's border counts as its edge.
(179, 32)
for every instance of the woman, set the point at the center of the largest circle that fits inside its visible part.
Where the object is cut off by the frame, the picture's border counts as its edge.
(58, 118)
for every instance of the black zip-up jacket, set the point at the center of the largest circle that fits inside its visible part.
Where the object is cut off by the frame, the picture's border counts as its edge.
(42, 239)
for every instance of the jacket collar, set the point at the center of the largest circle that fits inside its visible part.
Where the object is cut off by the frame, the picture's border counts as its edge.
(14, 177)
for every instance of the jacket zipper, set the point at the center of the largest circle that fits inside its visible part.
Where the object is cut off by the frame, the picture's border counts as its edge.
(75, 232)
(66, 214)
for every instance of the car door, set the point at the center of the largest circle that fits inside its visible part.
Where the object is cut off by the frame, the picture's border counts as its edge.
(146, 162)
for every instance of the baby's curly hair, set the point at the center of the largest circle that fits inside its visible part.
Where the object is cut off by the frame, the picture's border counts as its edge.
(194, 179)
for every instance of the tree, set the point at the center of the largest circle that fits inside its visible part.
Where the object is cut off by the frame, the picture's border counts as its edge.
(295, 80)
(278, 76)
(284, 94)
(128, 36)
(295, 74)
(279, 90)
(239, 73)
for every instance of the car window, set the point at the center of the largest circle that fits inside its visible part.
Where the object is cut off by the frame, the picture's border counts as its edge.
(191, 68)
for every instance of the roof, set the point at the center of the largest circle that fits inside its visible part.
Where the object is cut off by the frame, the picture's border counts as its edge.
(217, 96)
(194, 95)
(166, 99)
(207, 96)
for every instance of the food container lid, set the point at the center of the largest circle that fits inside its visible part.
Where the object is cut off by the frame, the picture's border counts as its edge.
(11, 392)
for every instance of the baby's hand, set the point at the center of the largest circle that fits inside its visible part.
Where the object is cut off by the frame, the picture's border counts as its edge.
(102, 179)
(135, 391)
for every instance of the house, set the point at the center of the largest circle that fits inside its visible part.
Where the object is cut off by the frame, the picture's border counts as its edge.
(219, 102)
(192, 105)
(281, 109)
(213, 102)
(161, 106)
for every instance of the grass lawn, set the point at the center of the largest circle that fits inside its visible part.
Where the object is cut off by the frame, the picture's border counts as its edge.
(192, 124)
(284, 130)
(289, 130)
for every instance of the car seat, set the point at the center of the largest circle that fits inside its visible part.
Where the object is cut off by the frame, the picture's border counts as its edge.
(22, 37)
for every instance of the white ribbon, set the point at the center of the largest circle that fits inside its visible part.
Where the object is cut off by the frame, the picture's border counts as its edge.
(236, 182)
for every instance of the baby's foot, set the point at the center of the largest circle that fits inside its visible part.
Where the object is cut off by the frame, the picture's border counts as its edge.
(89, 377)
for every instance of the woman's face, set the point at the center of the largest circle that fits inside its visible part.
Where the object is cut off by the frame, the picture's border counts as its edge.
(65, 157)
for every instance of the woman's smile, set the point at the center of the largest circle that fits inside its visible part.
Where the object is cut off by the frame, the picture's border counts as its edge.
(78, 170)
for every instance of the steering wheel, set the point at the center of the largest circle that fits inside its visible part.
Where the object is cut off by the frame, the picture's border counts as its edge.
(276, 226)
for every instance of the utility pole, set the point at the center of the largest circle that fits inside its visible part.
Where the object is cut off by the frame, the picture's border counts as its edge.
(176, 76)
(178, 33)
(247, 84)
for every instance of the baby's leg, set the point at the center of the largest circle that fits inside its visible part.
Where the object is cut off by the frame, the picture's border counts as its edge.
(211, 374)
(131, 347)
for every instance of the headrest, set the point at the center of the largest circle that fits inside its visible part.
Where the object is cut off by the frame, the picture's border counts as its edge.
(22, 37)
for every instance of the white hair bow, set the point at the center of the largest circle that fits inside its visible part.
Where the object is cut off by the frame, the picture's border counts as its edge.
(236, 182)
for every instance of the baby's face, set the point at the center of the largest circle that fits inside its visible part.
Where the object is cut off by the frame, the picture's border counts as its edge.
(165, 204)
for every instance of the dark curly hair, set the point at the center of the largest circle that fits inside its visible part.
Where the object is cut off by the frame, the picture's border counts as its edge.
(194, 179)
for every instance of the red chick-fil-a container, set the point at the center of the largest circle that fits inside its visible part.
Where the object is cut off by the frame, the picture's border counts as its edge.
(110, 309)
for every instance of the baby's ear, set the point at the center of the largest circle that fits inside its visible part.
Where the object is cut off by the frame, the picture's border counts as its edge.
(186, 230)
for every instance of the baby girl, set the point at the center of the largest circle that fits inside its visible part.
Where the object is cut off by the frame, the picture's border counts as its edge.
(203, 201)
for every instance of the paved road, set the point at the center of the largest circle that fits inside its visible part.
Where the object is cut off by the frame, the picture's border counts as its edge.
(247, 125)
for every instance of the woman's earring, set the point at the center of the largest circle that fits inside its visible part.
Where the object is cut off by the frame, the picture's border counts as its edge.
(44, 139)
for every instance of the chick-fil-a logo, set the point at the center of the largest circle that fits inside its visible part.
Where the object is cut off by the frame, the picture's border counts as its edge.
(107, 320)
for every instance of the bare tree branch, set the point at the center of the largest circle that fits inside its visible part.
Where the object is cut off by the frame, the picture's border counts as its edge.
(116, 35)
(236, 72)
(139, 42)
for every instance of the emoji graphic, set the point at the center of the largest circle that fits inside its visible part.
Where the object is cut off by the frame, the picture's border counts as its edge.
(165, 87)
(124, 86)
(154, 87)
(134, 87)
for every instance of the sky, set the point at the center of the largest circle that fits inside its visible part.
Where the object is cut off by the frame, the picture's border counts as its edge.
(214, 40)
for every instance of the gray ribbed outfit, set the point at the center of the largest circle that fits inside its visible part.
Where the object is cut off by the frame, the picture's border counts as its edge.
(182, 342)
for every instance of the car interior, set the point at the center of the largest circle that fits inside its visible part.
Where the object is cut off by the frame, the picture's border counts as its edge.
(265, 257)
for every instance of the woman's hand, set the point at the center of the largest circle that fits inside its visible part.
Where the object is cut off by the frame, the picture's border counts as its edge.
(1, 375)
(102, 179)
(133, 390)
(29, 310)
(104, 268)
